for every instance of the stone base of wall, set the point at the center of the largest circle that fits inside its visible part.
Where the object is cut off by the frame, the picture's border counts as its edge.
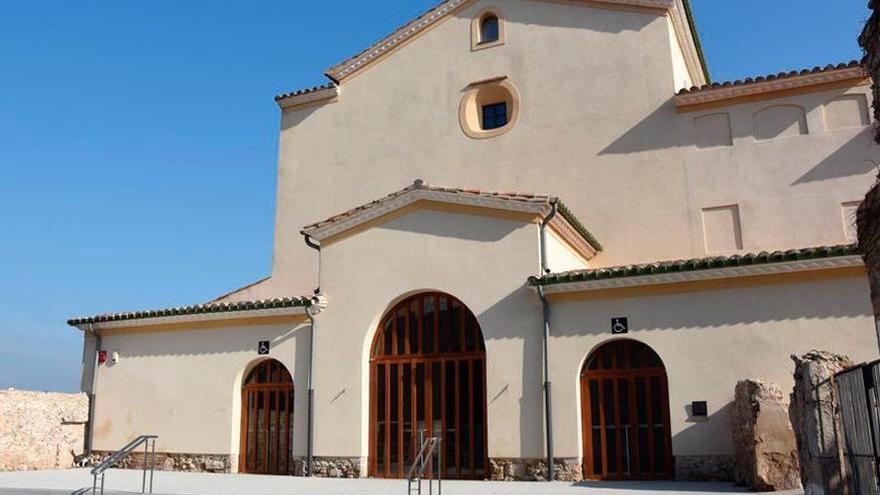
(704, 467)
(332, 467)
(167, 461)
(532, 469)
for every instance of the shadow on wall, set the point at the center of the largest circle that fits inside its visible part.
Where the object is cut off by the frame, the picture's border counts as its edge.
(727, 309)
(209, 341)
(449, 225)
(699, 429)
(657, 131)
(293, 118)
(840, 162)
(531, 438)
(596, 20)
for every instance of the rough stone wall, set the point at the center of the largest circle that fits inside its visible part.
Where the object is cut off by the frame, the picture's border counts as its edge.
(165, 461)
(815, 417)
(870, 43)
(868, 228)
(704, 467)
(766, 450)
(533, 469)
(334, 467)
(41, 430)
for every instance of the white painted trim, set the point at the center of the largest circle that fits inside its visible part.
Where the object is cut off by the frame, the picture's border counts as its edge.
(196, 317)
(711, 274)
(457, 198)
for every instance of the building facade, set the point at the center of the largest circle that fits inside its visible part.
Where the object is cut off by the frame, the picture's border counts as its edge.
(569, 248)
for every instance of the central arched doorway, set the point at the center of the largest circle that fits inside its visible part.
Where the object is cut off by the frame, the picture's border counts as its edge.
(428, 373)
(625, 407)
(267, 420)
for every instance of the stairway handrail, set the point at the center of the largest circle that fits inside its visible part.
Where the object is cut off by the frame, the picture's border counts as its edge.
(109, 462)
(429, 444)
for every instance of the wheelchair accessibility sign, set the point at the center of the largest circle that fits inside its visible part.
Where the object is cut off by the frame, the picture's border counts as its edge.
(619, 325)
(263, 347)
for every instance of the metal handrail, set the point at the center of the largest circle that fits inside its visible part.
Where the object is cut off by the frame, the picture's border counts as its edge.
(147, 441)
(429, 452)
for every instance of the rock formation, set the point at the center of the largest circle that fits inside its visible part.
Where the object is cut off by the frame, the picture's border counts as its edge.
(766, 450)
(815, 415)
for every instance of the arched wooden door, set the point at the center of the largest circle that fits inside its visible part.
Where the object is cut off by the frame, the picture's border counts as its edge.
(267, 420)
(625, 406)
(428, 373)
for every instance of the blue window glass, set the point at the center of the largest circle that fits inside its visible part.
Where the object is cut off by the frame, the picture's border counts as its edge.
(494, 115)
(489, 29)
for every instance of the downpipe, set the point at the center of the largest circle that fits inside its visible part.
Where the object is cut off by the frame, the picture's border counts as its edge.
(545, 307)
(94, 381)
(315, 305)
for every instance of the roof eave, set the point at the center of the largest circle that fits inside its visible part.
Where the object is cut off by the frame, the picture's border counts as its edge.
(188, 318)
(551, 286)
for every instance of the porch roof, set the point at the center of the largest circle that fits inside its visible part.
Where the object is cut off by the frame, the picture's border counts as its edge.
(702, 268)
(223, 310)
(566, 223)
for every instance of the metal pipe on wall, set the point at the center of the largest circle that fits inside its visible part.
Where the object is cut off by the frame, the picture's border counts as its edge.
(94, 380)
(545, 307)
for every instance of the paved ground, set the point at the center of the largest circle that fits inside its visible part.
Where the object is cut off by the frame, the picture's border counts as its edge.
(78, 482)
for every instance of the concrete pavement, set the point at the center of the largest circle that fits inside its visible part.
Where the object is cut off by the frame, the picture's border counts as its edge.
(79, 482)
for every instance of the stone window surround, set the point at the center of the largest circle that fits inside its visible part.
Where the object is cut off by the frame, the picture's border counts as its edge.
(469, 109)
(477, 22)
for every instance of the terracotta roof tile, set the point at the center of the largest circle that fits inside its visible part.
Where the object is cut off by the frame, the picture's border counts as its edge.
(770, 77)
(286, 302)
(305, 91)
(420, 184)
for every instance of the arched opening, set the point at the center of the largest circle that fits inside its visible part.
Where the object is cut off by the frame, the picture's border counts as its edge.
(489, 28)
(625, 408)
(428, 374)
(267, 420)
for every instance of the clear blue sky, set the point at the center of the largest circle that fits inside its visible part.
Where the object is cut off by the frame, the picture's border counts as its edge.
(138, 142)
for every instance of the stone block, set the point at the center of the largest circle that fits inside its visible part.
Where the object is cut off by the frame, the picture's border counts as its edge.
(815, 416)
(766, 450)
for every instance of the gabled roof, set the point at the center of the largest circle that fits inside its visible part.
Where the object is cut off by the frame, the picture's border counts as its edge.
(683, 21)
(263, 307)
(566, 224)
(674, 271)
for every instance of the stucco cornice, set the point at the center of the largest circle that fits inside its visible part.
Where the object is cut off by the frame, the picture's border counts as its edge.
(710, 274)
(515, 205)
(302, 98)
(675, 8)
(768, 86)
(383, 208)
(401, 35)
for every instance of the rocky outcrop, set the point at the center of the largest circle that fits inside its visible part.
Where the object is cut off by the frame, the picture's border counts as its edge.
(814, 414)
(41, 430)
(766, 450)
(534, 469)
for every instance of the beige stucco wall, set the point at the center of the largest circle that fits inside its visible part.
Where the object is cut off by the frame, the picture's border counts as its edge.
(597, 127)
(561, 256)
(185, 385)
(709, 340)
(482, 261)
